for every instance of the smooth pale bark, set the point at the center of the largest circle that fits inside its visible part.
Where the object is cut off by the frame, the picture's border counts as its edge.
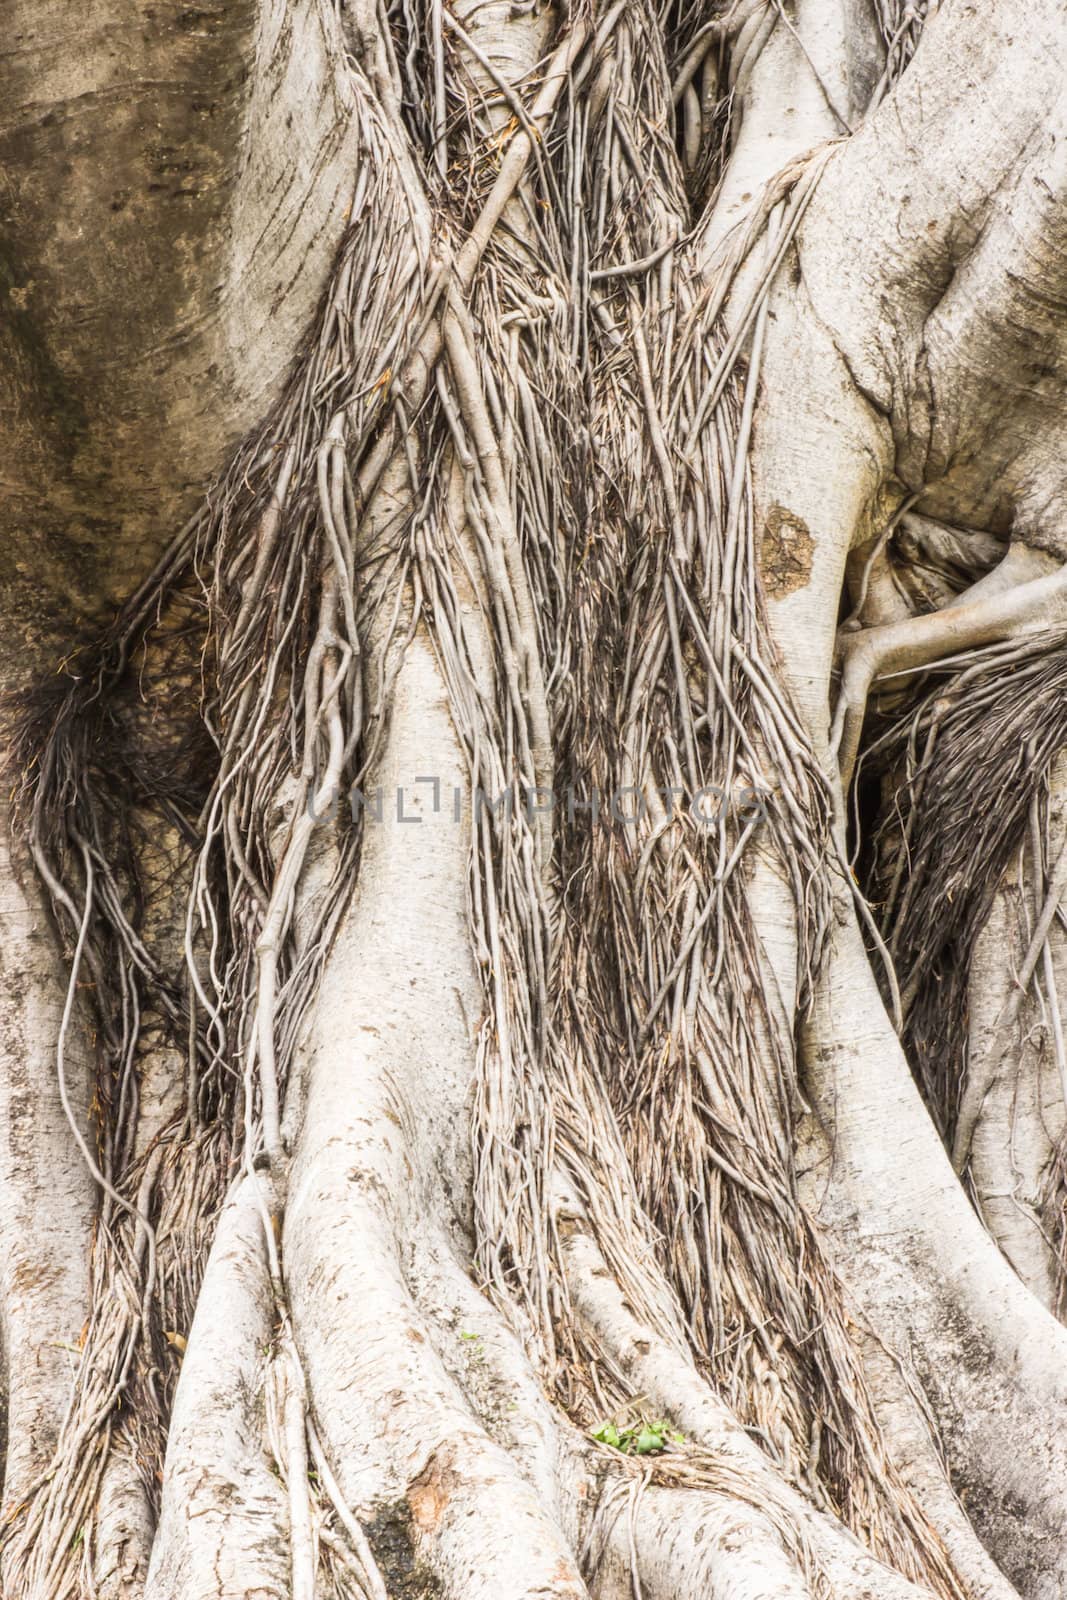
(674, 1543)
(858, 312)
(1019, 1127)
(485, 1358)
(125, 1528)
(802, 78)
(933, 256)
(901, 1413)
(939, 1291)
(992, 1360)
(47, 1197)
(382, 1146)
(224, 1521)
(1020, 1122)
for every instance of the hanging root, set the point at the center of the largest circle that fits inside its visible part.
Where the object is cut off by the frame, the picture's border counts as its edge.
(506, 484)
(965, 766)
(965, 774)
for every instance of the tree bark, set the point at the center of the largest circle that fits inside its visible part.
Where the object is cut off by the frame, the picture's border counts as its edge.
(419, 415)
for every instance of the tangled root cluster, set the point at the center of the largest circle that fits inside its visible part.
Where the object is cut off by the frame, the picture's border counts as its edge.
(519, 386)
(964, 771)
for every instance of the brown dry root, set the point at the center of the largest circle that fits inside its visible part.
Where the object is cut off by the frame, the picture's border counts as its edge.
(964, 768)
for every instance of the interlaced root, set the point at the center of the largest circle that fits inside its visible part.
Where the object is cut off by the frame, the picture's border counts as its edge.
(520, 389)
(964, 777)
(962, 769)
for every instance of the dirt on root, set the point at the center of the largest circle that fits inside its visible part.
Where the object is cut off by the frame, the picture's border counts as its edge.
(786, 552)
(392, 1538)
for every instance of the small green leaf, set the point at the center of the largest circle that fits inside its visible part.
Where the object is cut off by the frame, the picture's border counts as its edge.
(648, 1441)
(608, 1433)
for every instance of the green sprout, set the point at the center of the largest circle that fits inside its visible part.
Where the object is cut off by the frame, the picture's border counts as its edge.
(640, 1438)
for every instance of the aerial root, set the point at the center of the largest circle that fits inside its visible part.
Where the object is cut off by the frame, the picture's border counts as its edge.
(124, 1527)
(983, 1073)
(992, 615)
(429, 1409)
(668, 1542)
(486, 1359)
(634, 1535)
(652, 1529)
(909, 1432)
(344, 1333)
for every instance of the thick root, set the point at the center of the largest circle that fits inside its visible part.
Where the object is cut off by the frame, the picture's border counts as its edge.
(395, 1427)
(664, 1543)
(224, 1522)
(985, 615)
(46, 1196)
(390, 1071)
(1019, 1106)
(671, 1384)
(991, 1359)
(124, 1530)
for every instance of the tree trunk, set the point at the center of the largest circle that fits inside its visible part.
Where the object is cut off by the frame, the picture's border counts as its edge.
(532, 1057)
